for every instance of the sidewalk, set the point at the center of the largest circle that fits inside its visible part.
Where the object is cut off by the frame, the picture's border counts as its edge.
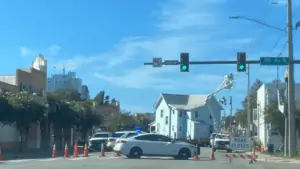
(274, 158)
(34, 154)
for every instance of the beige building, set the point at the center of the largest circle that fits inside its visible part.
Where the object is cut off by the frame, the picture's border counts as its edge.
(32, 80)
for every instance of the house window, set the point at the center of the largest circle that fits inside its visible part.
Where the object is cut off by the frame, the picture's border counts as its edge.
(196, 114)
(162, 113)
(180, 114)
(167, 119)
(173, 127)
(180, 128)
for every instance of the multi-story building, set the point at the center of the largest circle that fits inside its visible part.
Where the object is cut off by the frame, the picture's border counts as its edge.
(267, 94)
(85, 93)
(64, 81)
(32, 80)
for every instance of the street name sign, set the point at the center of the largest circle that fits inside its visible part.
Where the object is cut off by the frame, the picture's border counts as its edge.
(157, 62)
(274, 61)
(171, 62)
(240, 143)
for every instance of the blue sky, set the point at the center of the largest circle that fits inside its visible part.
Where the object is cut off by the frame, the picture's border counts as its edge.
(107, 41)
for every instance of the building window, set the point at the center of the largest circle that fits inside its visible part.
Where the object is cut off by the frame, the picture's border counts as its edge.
(196, 114)
(167, 119)
(173, 127)
(162, 113)
(180, 127)
(180, 113)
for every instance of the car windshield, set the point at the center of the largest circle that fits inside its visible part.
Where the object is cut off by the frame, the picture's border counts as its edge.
(129, 135)
(100, 135)
(213, 135)
(221, 137)
(117, 135)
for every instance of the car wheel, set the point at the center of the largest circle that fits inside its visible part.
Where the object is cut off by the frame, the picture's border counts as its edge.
(135, 152)
(184, 154)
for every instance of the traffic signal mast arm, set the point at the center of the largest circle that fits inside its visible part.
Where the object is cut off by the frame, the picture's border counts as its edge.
(226, 84)
(224, 62)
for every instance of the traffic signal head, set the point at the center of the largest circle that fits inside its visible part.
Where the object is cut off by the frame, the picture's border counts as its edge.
(241, 61)
(184, 62)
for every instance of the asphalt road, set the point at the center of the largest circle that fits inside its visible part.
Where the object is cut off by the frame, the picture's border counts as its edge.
(110, 161)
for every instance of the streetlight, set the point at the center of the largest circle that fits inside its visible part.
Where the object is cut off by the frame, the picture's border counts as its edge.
(257, 21)
(290, 79)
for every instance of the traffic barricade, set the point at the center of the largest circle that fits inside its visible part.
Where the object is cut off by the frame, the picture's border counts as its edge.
(241, 149)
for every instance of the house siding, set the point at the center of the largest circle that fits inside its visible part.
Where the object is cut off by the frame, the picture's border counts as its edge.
(184, 124)
(161, 126)
(266, 94)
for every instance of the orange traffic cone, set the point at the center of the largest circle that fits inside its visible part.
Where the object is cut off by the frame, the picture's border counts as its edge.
(102, 153)
(85, 151)
(196, 157)
(75, 154)
(118, 154)
(0, 154)
(66, 152)
(54, 151)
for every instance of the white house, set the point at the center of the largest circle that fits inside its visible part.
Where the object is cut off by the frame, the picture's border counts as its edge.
(186, 116)
(266, 94)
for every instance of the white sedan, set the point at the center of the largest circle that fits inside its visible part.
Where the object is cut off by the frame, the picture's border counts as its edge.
(154, 145)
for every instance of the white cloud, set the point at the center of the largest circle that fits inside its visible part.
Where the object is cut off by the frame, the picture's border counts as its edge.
(183, 28)
(26, 52)
(183, 14)
(147, 77)
(50, 51)
(53, 50)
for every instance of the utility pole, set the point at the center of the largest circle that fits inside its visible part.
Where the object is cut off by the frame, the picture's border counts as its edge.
(249, 135)
(230, 119)
(291, 87)
(248, 102)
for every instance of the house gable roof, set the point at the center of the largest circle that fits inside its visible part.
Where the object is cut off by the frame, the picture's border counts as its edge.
(185, 102)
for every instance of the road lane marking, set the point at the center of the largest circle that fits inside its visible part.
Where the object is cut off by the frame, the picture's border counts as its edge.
(50, 159)
(80, 158)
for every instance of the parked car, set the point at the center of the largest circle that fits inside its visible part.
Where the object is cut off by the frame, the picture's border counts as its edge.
(151, 144)
(98, 139)
(111, 141)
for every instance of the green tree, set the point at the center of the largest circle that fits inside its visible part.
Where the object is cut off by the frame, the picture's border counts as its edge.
(99, 99)
(6, 117)
(67, 95)
(275, 117)
(120, 121)
(242, 113)
(85, 119)
(27, 110)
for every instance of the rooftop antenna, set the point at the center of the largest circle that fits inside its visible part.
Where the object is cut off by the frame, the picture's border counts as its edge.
(64, 69)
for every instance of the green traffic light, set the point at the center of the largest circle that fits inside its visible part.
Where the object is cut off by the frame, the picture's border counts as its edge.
(184, 67)
(242, 67)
